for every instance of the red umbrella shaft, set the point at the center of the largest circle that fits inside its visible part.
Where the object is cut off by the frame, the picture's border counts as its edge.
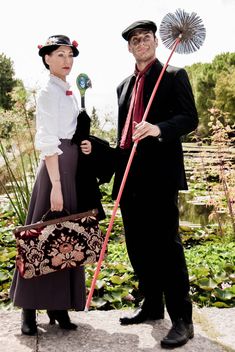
(102, 253)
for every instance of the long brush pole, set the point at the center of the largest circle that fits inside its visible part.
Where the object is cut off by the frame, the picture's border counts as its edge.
(177, 41)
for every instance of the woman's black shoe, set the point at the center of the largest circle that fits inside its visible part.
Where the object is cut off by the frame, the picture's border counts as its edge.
(63, 319)
(28, 322)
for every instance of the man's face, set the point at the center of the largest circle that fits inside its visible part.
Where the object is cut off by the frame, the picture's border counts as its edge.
(142, 45)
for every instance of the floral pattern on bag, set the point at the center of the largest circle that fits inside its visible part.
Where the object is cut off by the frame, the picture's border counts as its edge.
(50, 248)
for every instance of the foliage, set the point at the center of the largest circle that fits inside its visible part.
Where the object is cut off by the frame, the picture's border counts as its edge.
(213, 86)
(224, 92)
(105, 129)
(116, 281)
(212, 273)
(223, 140)
(210, 262)
(19, 155)
(7, 249)
(213, 176)
(7, 82)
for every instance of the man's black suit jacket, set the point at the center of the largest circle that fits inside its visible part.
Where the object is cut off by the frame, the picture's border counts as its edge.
(158, 163)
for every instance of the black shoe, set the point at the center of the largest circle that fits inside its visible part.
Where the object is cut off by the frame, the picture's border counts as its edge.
(140, 316)
(178, 335)
(63, 319)
(28, 322)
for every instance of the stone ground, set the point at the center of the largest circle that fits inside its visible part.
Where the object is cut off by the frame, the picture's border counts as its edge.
(100, 331)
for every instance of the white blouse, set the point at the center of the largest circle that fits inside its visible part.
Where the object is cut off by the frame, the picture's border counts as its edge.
(56, 116)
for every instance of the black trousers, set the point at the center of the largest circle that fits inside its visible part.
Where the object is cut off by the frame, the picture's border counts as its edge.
(156, 252)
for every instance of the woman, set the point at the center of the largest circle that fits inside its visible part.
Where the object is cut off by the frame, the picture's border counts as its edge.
(54, 188)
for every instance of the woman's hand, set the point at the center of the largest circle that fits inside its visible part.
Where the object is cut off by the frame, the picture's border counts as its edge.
(86, 147)
(56, 198)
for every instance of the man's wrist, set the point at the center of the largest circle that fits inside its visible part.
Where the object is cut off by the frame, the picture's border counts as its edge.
(158, 131)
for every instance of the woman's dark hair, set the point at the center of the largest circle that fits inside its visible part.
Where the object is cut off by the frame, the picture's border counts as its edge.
(48, 51)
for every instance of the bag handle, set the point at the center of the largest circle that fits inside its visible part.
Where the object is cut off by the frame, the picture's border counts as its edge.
(54, 214)
(92, 212)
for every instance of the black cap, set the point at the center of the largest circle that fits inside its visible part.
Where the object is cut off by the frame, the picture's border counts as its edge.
(58, 40)
(144, 24)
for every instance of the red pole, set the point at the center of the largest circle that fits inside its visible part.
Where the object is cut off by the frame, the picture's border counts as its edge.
(124, 181)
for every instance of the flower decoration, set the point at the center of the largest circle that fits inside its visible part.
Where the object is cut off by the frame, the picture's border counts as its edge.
(39, 46)
(51, 41)
(74, 43)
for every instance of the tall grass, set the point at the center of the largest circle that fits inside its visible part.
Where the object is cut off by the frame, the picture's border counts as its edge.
(19, 157)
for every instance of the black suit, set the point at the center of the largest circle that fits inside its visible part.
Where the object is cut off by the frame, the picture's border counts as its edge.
(149, 200)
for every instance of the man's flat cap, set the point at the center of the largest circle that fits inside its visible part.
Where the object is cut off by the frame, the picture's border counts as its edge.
(144, 24)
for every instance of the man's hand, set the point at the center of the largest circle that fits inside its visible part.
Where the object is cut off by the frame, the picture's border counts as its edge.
(145, 129)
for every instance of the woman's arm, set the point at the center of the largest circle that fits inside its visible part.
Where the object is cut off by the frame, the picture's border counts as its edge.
(56, 197)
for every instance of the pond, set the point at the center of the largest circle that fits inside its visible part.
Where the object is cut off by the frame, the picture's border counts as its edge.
(193, 213)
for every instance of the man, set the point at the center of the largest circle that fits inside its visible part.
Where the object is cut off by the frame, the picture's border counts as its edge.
(149, 200)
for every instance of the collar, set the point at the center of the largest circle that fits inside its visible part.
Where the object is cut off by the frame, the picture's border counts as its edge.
(64, 85)
(145, 70)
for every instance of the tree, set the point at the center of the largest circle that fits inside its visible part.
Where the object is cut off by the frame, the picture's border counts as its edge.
(95, 123)
(225, 93)
(7, 82)
(213, 86)
(223, 62)
(202, 79)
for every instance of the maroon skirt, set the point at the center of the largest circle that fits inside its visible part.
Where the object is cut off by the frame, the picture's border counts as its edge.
(64, 289)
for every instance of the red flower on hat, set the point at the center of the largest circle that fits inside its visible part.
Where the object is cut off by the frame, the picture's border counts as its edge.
(39, 46)
(74, 43)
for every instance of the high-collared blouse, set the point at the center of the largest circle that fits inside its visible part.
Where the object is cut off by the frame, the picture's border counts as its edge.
(56, 116)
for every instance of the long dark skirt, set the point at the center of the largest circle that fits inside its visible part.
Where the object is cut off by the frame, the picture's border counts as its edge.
(64, 289)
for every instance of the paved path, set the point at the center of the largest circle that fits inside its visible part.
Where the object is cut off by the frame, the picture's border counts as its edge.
(100, 331)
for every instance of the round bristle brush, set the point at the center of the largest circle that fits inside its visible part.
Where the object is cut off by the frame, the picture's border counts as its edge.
(185, 28)
(180, 32)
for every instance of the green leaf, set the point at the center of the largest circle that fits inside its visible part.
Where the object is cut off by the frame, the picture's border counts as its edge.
(207, 284)
(3, 276)
(98, 302)
(117, 296)
(99, 284)
(116, 279)
(224, 295)
(108, 297)
(220, 305)
(232, 277)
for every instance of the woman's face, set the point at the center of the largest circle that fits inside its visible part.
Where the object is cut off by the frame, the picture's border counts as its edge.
(60, 61)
